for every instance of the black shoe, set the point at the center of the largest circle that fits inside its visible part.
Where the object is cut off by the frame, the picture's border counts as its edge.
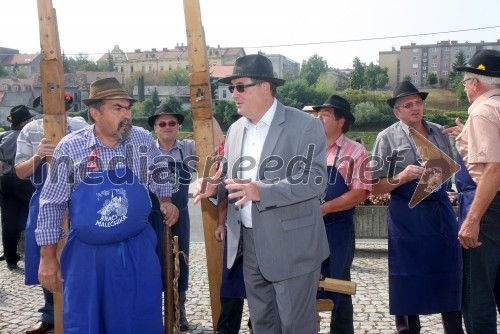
(184, 325)
(12, 266)
(2, 257)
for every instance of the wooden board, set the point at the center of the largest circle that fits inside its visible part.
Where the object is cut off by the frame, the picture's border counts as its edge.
(54, 113)
(337, 285)
(201, 102)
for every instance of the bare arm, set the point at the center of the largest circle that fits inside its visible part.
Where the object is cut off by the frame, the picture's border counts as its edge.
(485, 193)
(49, 271)
(345, 202)
(386, 185)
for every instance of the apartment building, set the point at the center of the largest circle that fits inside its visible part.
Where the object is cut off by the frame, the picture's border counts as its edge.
(417, 61)
(158, 61)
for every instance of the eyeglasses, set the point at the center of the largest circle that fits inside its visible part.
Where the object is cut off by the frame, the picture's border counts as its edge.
(241, 88)
(410, 105)
(464, 81)
(163, 124)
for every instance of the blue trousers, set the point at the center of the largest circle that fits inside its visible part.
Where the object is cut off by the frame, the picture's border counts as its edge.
(481, 276)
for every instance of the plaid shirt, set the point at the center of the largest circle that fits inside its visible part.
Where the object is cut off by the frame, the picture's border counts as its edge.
(70, 166)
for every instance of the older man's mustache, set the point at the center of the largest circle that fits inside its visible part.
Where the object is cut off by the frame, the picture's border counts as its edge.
(125, 122)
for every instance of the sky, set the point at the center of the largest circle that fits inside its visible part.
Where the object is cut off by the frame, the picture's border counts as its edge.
(337, 31)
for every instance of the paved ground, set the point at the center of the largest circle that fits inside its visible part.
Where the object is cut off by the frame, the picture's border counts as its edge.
(19, 303)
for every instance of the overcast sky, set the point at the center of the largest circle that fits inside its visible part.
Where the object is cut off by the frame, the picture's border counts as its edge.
(95, 26)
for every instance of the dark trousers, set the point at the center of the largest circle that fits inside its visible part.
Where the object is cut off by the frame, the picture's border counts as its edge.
(481, 276)
(410, 324)
(47, 310)
(230, 315)
(15, 195)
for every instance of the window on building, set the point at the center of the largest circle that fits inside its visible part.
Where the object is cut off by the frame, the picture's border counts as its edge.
(424, 68)
(161, 68)
(446, 49)
(415, 50)
(424, 75)
(425, 54)
(469, 48)
(434, 49)
(224, 93)
(424, 60)
(187, 67)
(434, 57)
(121, 69)
(170, 67)
(15, 88)
(415, 58)
(445, 64)
(434, 65)
(446, 56)
(131, 68)
(415, 81)
(468, 56)
(143, 68)
(444, 73)
(415, 66)
(414, 73)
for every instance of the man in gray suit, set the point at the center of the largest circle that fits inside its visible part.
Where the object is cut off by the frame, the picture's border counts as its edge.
(276, 171)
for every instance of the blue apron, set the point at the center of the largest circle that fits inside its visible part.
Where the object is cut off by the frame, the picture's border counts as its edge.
(31, 249)
(340, 233)
(179, 178)
(466, 188)
(110, 269)
(425, 264)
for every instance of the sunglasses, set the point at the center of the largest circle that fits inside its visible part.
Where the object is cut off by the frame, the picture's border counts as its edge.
(163, 124)
(241, 88)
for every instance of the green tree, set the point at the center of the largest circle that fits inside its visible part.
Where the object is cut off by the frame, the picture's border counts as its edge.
(313, 68)
(145, 108)
(407, 78)
(460, 61)
(140, 89)
(369, 114)
(155, 98)
(431, 78)
(110, 63)
(15, 69)
(223, 111)
(357, 77)
(299, 93)
(375, 76)
(326, 84)
(177, 77)
(66, 65)
(3, 72)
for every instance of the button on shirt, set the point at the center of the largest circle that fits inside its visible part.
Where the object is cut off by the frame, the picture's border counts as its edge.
(253, 142)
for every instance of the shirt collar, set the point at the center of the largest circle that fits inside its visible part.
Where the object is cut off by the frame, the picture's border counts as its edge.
(482, 98)
(341, 140)
(268, 116)
(406, 128)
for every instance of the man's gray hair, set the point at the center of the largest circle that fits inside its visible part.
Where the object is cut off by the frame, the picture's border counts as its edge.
(485, 80)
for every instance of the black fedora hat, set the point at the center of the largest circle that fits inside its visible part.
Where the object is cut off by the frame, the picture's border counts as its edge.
(484, 62)
(19, 114)
(340, 105)
(405, 88)
(253, 66)
(164, 109)
(38, 107)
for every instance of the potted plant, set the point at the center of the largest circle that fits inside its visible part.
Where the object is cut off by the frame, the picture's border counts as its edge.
(370, 217)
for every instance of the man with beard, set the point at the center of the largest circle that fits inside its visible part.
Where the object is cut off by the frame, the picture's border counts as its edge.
(102, 173)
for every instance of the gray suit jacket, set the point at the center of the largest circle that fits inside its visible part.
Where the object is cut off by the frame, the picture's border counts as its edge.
(289, 233)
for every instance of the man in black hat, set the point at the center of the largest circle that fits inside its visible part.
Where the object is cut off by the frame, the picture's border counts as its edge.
(348, 185)
(102, 174)
(276, 170)
(15, 193)
(424, 253)
(478, 183)
(181, 157)
(32, 149)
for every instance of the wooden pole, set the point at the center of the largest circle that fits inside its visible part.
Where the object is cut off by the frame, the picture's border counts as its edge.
(54, 113)
(168, 287)
(201, 103)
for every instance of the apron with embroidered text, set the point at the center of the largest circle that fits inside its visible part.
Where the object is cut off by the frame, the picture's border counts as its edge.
(112, 275)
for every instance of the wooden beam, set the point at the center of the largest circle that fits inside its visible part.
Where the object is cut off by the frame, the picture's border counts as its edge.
(337, 285)
(201, 103)
(54, 113)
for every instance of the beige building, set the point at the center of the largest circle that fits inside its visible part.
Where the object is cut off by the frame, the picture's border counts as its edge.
(158, 61)
(417, 61)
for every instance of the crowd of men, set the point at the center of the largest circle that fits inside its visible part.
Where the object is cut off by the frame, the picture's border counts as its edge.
(286, 191)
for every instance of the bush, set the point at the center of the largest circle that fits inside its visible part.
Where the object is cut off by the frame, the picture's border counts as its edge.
(377, 200)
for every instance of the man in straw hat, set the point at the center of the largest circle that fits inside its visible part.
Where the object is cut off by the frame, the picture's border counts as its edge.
(276, 170)
(102, 173)
(32, 149)
(478, 145)
(424, 255)
(15, 193)
(348, 185)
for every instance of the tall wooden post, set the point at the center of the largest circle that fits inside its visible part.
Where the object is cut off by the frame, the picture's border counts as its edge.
(54, 113)
(201, 103)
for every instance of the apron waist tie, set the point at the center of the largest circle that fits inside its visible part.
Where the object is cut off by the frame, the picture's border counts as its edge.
(121, 252)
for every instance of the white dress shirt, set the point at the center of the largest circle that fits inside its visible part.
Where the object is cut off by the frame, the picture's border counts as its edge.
(253, 142)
